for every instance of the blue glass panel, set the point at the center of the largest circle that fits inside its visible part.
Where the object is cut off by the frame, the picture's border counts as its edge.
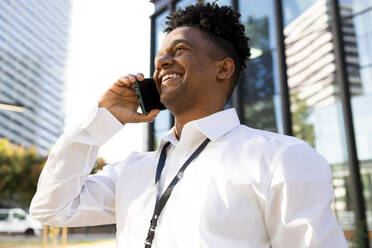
(294, 8)
(316, 109)
(261, 105)
(184, 3)
(219, 2)
(359, 62)
(355, 6)
(258, 19)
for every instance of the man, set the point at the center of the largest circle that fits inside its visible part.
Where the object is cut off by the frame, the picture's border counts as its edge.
(237, 186)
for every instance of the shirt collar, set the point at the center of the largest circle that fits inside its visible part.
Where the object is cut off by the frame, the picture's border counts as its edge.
(213, 126)
(216, 125)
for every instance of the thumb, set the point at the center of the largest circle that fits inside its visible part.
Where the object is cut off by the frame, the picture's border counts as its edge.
(148, 117)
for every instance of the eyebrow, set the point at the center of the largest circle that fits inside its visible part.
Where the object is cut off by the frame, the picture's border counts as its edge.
(176, 42)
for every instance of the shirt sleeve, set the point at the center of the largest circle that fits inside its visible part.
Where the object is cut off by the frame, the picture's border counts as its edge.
(66, 194)
(298, 212)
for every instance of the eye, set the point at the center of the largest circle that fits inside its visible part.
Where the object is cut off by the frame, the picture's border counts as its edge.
(180, 48)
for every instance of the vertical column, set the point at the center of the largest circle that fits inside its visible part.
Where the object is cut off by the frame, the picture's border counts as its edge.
(342, 78)
(282, 67)
(236, 98)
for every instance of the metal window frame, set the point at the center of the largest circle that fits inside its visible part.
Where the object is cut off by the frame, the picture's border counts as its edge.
(282, 68)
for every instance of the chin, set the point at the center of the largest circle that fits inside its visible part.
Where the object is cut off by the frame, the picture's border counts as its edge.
(172, 96)
(173, 102)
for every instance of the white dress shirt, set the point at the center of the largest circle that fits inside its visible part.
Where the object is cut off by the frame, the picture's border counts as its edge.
(248, 188)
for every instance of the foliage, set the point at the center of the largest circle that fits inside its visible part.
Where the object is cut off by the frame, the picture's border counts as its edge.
(98, 165)
(300, 114)
(19, 171)
(357, 240)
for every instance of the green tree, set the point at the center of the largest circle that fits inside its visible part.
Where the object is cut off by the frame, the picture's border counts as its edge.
(19, 171)
(300, 114)
(98, 165)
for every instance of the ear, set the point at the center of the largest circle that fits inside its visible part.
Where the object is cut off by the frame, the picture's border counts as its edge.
(225, 69)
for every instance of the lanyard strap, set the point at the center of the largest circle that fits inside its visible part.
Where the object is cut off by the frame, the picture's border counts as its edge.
(164, 198)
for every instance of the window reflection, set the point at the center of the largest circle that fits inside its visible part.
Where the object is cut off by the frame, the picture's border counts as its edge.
(314, 93)
(294, 8)
(220, 2)
(356, 5)
(258, 19)
(261, 109)
(184, 3)
(358, 15)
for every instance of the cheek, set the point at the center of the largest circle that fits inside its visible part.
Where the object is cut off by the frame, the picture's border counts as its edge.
(155, 77)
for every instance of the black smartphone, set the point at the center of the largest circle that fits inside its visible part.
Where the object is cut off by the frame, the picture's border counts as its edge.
(148, 95)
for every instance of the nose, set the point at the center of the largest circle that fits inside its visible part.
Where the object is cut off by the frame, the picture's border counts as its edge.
(163, 61)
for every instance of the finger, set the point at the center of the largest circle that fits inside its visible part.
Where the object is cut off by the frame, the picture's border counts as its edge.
(140, 77)
(149, 117)
(132, 78)
(125, 81)
(120, 82)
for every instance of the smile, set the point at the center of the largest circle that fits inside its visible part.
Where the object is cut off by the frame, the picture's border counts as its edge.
(169, 76)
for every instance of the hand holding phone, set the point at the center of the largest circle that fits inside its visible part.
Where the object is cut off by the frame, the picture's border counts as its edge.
(122, 101)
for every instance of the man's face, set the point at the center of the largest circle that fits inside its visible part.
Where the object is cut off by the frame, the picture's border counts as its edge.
(185, 71)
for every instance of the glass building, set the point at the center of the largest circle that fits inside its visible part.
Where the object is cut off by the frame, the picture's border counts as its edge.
(33, 50)
(310, 76)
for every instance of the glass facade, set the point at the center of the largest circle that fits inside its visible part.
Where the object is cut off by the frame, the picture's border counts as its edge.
(316, 108)
(33, 50)
(259, 83)
(357, 15)
(314, 93)
(182, 4)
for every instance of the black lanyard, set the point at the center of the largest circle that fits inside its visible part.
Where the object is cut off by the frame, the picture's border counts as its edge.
(164, 198)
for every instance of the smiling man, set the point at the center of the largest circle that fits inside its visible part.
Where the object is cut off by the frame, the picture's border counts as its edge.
(213, 182)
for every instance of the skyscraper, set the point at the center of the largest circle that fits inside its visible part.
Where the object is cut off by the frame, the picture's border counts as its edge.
(33, 50)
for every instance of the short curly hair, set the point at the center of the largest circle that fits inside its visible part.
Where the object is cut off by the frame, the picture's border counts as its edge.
(222, 26)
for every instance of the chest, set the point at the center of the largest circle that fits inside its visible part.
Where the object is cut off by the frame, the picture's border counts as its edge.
(217, 197)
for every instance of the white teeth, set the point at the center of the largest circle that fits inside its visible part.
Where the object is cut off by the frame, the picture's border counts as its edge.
(166, 76)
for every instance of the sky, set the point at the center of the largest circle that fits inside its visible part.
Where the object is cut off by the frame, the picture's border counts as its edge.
(108, 39)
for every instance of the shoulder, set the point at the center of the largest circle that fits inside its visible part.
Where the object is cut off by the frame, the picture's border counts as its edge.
(264, 136)
(300, 163)
(255, 142)
(282, 157)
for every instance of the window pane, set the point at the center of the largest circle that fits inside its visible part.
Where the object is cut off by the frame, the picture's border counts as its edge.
(355, 6)
(220, 2)
(359, 63)
(159, 28)
(258, 19)
(19, 216)
(261, 102)
(162, 121)
(184, 3)
(3, 216)
(314, 93)
(294, 8)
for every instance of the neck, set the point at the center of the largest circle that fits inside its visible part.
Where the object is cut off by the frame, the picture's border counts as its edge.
(182, 119)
